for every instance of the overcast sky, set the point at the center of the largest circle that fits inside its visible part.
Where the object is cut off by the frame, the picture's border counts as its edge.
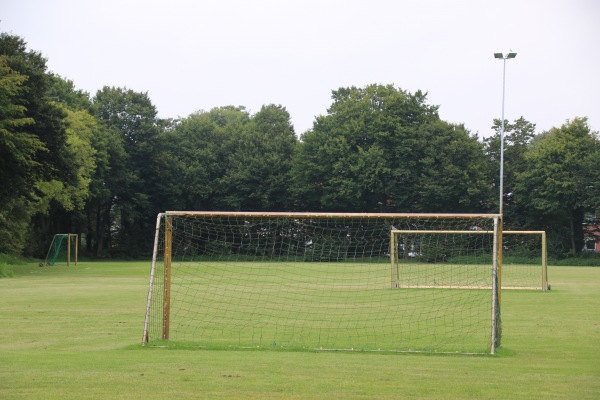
(196, 55)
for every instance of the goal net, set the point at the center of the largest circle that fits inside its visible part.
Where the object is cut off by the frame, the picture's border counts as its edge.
(524, 260)
(63, 250)
(321, 281)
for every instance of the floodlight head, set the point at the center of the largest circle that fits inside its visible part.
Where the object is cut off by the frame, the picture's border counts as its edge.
(511, 55)
(498, 55)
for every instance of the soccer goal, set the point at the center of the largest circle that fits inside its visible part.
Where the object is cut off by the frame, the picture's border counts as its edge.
(524, 260)
(64, 249)
(319, 281)
(523, 266)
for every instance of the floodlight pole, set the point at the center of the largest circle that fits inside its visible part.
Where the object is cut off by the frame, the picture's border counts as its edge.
(503, 57)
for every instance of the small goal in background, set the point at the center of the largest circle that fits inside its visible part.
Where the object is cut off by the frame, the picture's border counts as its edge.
(523, 267)
(63, 250)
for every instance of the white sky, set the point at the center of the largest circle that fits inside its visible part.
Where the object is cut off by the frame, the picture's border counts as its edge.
(193, 55)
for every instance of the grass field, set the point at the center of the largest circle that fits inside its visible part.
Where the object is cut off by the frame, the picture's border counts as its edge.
(75, 333)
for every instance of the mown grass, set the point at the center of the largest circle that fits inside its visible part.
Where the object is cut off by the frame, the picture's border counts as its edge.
(75, 333)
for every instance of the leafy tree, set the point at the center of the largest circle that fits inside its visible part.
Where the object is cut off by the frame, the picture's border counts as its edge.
(81, 128)
(88, 153)
(46, 114)
(63, 91)
(122, 211)
(453, 170)
(560, 179)
(17, 161)
(384, 149)
(78, 155)
(97, 216)
(517, 137)
(37, 167)
(17, 147)
(258, 166)
(187, 160)
(192, 158)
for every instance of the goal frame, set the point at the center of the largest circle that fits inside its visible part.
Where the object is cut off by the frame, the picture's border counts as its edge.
(168, 243)
(544, 285)
(396, 264)
(70, 237)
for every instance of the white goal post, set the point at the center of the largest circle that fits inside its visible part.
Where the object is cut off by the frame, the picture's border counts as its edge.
(322, 281)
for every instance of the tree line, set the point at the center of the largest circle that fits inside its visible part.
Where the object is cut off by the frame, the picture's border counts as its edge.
(103, 166)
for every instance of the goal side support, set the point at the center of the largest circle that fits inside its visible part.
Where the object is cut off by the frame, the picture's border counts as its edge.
(544, 256)
(166, 278)
(152, 277)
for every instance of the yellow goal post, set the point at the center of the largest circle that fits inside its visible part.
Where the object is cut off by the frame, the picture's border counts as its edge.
(511, 275)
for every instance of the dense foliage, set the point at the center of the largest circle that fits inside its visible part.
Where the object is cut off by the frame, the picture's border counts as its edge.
(104, 165)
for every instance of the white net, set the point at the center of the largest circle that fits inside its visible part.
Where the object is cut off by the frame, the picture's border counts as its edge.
(524, 260)
(315, 281)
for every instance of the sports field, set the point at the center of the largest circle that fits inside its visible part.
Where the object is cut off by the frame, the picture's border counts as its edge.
(75, 333)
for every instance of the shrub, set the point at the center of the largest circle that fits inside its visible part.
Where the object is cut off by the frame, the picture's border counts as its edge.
(6, 271)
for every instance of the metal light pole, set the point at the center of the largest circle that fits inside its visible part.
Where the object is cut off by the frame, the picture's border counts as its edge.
(503, 57)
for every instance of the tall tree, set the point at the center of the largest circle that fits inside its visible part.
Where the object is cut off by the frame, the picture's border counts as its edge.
(38, 164)
(123, 213)
(91, 147)
(193, 156)
(17, 161)
(110, 162)
(258, 167)
(17, 147)
(384, 149)
(517, 137)
(64, 92)
(453, 170)
(45, 113)
(556, 182)
(71, 191)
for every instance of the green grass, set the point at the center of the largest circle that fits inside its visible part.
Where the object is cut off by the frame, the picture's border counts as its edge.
(74, 333)
(6, 265)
